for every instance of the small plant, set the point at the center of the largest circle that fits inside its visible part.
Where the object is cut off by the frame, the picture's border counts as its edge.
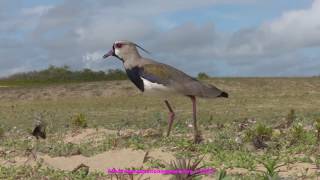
(82, 170)
(298, 134)
(261, 130)
(186, 164)
(203, 75)
(155, 163)
(264, 132)
(2, 132)
(136, 142)
(128, 176)
(222, 174)
(290, 118)
(317, 125)
(317, 161)
(258, 135)
(79, 120)
(272, 168)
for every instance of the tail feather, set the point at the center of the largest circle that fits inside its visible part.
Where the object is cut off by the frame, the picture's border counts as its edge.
(224, 94)
(210, 91)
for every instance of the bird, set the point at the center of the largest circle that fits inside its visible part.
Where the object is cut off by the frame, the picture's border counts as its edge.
(39, 130)
(152, 77)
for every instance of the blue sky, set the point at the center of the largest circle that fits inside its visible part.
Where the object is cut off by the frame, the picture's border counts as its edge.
(232, 17)
(219, 37)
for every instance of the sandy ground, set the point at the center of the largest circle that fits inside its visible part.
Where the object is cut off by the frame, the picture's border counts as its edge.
(128, 158)
(119, 158)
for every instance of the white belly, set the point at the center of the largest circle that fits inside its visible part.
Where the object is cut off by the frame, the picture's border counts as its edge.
(151, 88)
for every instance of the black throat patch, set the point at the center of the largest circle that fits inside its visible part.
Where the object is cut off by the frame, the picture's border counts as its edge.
(134, 76)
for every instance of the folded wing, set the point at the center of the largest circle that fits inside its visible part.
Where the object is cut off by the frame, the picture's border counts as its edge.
(179, 81)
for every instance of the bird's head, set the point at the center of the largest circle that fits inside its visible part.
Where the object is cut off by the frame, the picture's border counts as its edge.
(124, 50)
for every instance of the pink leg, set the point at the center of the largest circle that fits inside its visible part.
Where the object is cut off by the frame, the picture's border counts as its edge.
(197, 136)
(171, 117)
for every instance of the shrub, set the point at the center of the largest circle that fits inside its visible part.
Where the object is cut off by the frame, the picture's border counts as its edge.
(2, 131)
(291, 117)
(261, 131)
(79, 120)
(55, 74)
(203, 75)
(317, 126)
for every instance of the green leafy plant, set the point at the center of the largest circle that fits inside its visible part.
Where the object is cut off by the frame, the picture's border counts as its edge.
(186, 164)
(298, 134)
(155, 163)
(290, 118)
(222, 174)
(260, 130)
(203, 75)
(126, 176)
(272, 168)
(79, 120)
(317, 126)
(317, 161)
(258, 135)
(2, 131)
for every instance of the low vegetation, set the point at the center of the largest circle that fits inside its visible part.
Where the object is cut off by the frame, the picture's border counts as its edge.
(267, 129)
(64, 74)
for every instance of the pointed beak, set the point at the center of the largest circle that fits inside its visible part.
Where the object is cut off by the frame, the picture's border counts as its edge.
(110, 53)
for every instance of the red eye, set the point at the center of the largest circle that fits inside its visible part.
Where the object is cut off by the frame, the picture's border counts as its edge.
(118, 45)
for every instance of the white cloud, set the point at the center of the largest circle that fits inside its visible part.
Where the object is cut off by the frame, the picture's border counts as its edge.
(293, 30)
(79, 32)
(37, 10)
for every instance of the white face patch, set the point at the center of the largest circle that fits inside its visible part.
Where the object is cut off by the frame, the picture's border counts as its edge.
(117, 52)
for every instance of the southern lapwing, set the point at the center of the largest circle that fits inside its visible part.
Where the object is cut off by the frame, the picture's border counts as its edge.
(151, 76)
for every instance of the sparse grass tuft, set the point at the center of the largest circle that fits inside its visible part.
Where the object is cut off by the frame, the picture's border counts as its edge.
(187, 165)
(272, 166)
(2, 131)
(317, 126)
(290, 117)
(79, 120)
(221, 175)
(298, 134)
(258, 135)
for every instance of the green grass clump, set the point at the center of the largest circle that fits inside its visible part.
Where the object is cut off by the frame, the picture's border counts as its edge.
(2, 131)
(317, 126)
(298, 134)
(271, 166)
(260, 131)
(40, 172)
(79, 120)
(58, 75)
(187, 164)
(290, 117)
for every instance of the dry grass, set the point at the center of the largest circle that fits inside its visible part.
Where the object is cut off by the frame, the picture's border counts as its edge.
(121, 109)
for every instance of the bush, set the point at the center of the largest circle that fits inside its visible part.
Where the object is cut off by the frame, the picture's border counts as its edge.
(260, 131)
(79, 120)
(203, 75)
(2, 132)
(55, 74)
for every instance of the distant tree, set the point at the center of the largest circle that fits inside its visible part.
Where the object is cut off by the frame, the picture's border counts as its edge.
(203, 75)
(65, 74)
